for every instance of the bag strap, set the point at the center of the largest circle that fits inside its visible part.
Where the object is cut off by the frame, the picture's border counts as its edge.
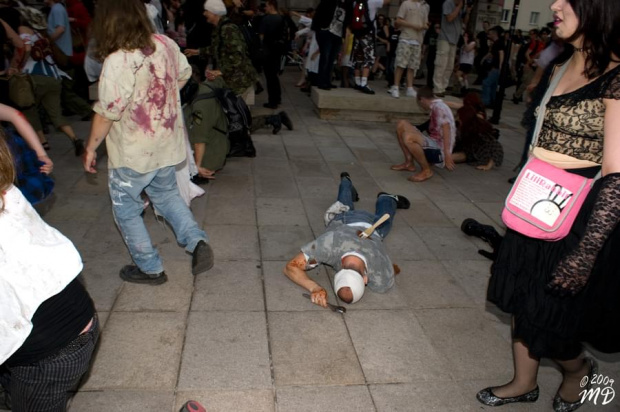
(543, 107)
(543, 104)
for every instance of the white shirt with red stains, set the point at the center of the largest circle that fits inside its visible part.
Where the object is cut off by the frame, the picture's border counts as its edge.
(139, 92)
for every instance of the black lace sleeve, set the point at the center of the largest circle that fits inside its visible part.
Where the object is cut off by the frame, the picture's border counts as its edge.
(611, 88)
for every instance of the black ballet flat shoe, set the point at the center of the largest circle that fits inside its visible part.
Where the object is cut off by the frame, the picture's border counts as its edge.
(487, 397)
(560, 405)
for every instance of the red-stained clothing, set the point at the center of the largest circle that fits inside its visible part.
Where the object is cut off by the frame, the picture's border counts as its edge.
(79, 29)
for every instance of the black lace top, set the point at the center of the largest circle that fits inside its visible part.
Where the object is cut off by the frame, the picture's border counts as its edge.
(573, 122)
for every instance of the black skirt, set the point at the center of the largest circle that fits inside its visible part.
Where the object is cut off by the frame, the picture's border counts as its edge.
(552, 326)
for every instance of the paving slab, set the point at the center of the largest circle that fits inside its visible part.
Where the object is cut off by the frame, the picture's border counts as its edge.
(251, 400)
(403, 243)
(138, 350)
(449, 243)
(283, 186)
(393, 347)
(348, 398)
(434, 395)
(122, 401)
(234, 242)
(301, 356)
(230, 286)
(223, 210)
(280, 211)
(237, 186)
(225, 350)
(280, 242)
(470, 346)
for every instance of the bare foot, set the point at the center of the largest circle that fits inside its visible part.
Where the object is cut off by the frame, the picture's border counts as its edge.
(421, 176)
(404, 166)
(487, 166)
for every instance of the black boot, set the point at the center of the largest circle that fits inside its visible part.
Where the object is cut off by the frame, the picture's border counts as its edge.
(487, 233)
(285, 120)
(274, 121)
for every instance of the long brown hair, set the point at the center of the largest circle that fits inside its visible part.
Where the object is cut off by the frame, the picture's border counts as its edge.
(121, 25)
(471, 126)
(7, 170)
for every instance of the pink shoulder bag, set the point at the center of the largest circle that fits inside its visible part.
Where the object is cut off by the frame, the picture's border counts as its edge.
(545, 200)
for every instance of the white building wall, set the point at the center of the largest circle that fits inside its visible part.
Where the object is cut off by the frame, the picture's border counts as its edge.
(524, 16)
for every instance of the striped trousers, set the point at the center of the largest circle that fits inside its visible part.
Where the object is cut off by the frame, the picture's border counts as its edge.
(45, 386)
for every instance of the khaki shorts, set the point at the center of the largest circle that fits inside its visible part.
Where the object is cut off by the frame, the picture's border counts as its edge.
(408, 55)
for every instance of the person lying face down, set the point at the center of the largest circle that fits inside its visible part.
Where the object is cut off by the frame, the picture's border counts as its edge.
(359, 262)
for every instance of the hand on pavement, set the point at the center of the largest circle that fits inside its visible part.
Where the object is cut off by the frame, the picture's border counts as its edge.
(319, 296)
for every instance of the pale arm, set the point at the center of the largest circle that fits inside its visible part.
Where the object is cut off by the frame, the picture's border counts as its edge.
(295, 271)
(445, 128)
(25, 130)
(98, 132)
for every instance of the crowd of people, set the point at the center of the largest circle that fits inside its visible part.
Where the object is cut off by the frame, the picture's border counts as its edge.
(154, 62)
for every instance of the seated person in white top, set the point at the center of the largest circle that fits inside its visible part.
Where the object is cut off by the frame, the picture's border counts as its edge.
(48, 326)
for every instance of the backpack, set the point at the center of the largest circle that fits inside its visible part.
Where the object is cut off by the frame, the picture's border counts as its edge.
(361, 23)
(239, 119)
(253, 46)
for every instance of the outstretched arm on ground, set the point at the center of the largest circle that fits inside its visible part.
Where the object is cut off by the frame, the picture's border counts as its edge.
(295, 270)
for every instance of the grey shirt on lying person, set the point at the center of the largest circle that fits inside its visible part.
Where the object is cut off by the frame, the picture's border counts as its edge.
(340, 239)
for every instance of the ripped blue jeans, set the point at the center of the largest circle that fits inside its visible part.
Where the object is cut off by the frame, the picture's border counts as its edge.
(160, 185)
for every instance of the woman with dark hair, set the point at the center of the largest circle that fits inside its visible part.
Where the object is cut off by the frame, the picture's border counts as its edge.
(564, 293)
(476, 143)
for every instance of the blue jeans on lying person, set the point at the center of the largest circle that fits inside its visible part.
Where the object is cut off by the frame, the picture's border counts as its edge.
(384, 204)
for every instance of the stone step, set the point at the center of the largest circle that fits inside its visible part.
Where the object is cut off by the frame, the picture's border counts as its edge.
(350, 104)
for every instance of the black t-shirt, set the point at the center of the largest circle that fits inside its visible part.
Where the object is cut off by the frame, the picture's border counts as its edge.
(57, 322)
(483, 46)
(394, 35)
(430, 39)
(498, 46)
(272, 29)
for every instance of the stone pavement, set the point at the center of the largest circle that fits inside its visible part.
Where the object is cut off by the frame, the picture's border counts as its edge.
(242, 338)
